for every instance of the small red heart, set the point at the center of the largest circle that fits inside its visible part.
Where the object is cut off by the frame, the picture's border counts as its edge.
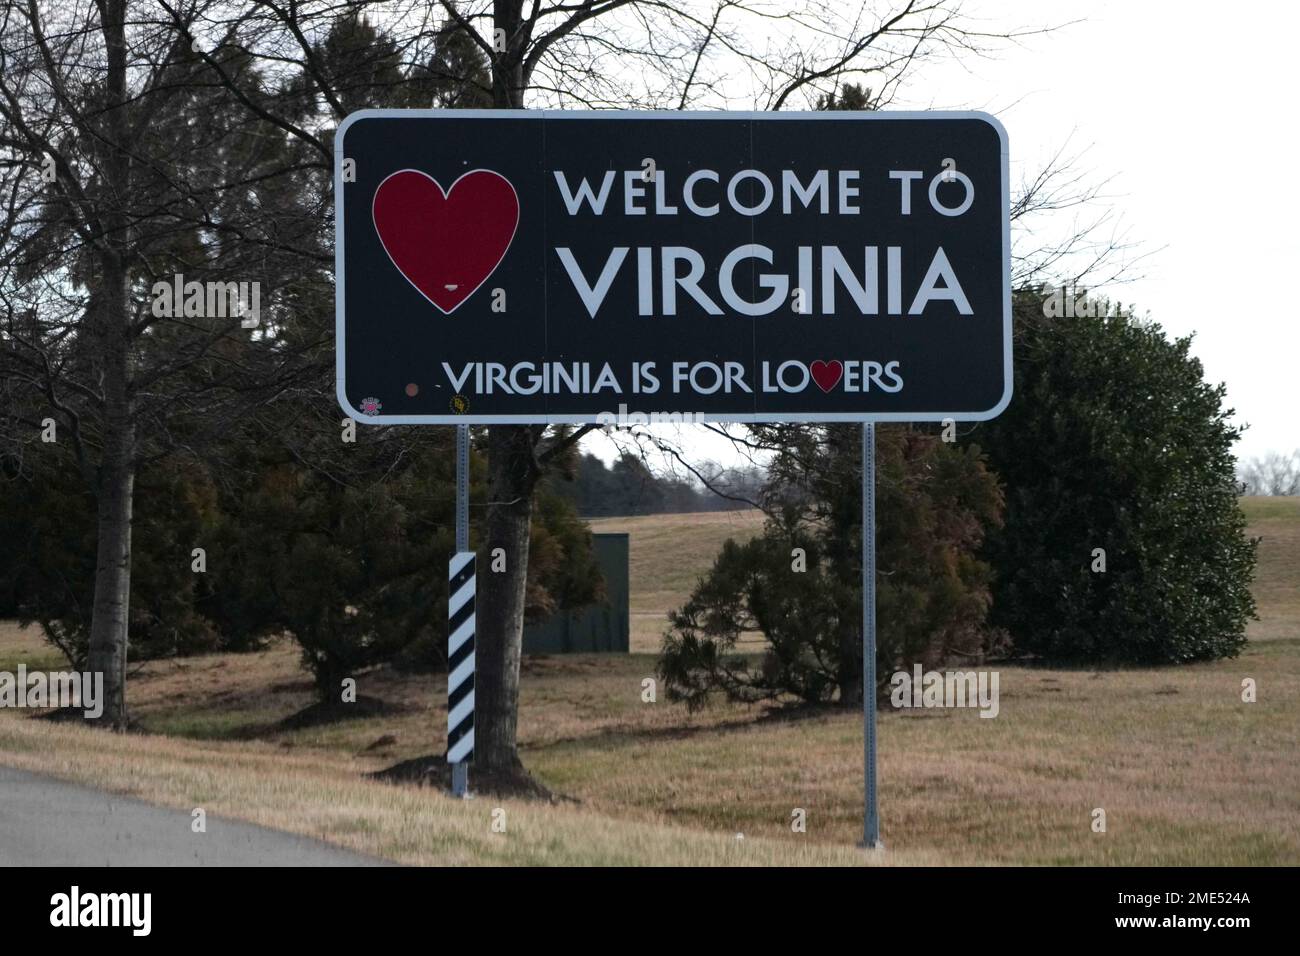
(826, 374)
(446, 242)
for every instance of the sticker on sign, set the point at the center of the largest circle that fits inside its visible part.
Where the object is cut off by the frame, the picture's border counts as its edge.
(548, 267)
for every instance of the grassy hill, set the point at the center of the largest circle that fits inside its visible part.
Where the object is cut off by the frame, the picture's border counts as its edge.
(667, 555)
(1186, 772)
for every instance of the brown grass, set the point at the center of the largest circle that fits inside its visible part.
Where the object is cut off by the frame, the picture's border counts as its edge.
(1187, 773)
(312, 794)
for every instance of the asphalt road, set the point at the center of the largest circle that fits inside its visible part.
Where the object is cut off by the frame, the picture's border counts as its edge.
(46, 822)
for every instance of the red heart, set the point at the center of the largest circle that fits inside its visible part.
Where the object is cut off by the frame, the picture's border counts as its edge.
(446, 242)
(826, 374)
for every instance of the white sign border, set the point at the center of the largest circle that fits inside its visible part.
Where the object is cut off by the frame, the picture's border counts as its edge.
(549, 419)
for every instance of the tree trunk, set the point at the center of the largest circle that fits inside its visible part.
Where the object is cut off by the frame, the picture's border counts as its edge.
(115, 497)
(508, 65)
(111, 610)
(512, 476)
(108, 321)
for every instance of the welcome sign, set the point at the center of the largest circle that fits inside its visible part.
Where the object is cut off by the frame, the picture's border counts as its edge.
(534, 266)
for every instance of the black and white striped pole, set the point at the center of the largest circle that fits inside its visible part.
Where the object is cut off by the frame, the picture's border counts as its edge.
(460, 631)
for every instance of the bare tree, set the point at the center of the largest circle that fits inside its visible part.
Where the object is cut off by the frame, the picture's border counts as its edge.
(1271, 474)
(1066, 231)
(122, 171)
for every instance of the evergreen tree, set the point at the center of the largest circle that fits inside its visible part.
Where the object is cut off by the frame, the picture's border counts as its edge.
(1123, 540)
(799, 583)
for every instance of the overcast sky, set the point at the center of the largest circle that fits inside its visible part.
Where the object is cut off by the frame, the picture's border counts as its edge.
(1189, 110)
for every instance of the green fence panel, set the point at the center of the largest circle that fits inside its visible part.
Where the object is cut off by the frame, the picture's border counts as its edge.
(601, 628)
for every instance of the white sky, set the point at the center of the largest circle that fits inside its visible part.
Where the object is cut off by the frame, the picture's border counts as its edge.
(1190, 111)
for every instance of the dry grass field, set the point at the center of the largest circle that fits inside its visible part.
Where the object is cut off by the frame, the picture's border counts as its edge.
(1186, 772)
(667, 554)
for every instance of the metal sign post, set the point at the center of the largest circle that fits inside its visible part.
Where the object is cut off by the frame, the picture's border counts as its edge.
(871, 815)
(460, 631)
